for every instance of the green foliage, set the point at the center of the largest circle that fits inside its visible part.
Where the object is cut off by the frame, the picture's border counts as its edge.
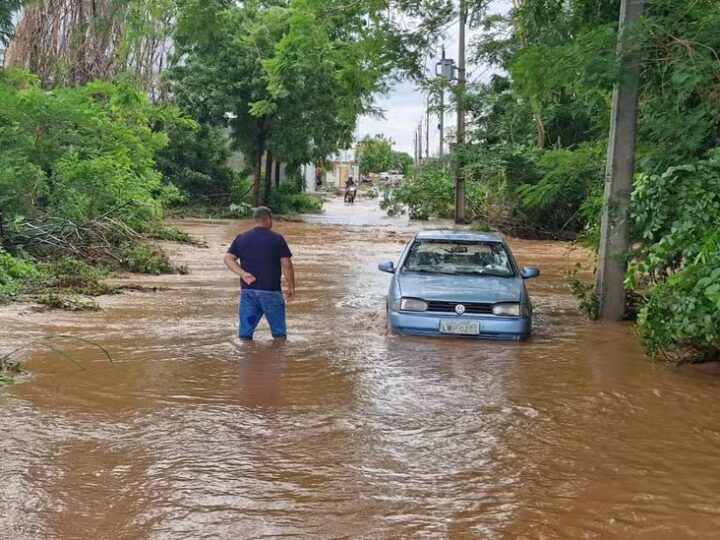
(8, 8)
(289, 200)
(9, 369)
(195, 161)
(55, 300)
(426, 192)
(374, 154)
(676, 219)
(16, 275)
(80, 152)
(675, 214)
(681, 319)
(146, 259)
(585, 294)
(171, 234)
(68, 276)
(557, 200)
(241, 210)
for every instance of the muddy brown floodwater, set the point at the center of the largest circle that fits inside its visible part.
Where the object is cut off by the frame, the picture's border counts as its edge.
(348, 432)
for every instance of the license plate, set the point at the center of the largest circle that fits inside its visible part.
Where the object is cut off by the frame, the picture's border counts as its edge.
(465, 328)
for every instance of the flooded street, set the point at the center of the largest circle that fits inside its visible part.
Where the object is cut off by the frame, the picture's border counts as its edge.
(347, 431)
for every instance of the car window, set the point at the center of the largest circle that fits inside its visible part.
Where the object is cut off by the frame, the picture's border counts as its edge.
(447, 257)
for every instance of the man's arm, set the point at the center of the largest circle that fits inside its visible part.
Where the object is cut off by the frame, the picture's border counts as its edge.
(289, 273)
(231, 261)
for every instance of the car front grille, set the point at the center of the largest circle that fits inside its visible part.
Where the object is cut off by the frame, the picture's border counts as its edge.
(475, 308)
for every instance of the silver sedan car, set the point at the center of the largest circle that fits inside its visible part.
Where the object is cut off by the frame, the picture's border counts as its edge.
(459, 283)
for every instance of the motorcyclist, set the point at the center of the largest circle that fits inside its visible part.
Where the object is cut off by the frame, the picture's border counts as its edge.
(349, 186)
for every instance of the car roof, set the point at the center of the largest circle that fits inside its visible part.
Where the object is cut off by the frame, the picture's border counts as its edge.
(461, 236)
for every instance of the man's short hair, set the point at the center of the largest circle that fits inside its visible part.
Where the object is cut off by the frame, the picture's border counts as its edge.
(262, 213)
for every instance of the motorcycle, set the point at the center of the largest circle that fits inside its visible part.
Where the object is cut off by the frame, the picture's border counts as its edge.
(350, 194)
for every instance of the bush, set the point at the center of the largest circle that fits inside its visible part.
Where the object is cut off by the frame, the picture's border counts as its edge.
(146, 259)
(195, 160)
(80, 152)
(675, 213)
(288, 199)
(569, 177)
(240, 211)
(426, 192)
(16, 275)
(71, 276)
(676, 219)
(56, 300)
(681, 319)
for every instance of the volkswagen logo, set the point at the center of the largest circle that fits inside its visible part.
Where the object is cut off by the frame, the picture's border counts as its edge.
(459, 309)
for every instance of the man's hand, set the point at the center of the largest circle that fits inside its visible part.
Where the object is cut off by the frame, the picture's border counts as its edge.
(248, 278)
(289, 271)
(290, 294)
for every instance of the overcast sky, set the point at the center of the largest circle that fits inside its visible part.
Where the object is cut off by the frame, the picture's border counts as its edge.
(404, 106)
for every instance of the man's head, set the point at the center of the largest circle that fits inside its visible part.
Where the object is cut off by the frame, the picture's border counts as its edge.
(263, 217)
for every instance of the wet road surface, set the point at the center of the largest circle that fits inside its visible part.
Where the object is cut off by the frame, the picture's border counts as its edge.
(347, 431)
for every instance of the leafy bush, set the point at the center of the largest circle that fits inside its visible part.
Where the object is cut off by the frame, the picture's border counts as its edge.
(681, 319)
(56, 300)
(81, 152)
(72, 276)
(147, 259)
(674, 215)
(195, 160)
(16, 274)
(288, 199)
(426, 192)
(569, 177)
(585, 293)
(676, 219)
(241, 210)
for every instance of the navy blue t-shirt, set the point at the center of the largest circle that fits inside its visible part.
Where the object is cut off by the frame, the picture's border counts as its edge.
(260, 251)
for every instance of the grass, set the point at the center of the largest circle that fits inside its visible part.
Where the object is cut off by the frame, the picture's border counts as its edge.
(11, 368)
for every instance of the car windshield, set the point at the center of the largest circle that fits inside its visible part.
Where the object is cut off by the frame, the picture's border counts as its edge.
(448, 257)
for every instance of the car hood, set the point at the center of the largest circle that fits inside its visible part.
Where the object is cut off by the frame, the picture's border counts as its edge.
(460, 288)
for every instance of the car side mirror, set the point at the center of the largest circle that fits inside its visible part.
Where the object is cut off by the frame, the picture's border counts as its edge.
(387, 266)
(530, 272)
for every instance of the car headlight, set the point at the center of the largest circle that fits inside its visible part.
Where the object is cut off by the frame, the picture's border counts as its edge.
(510, 310)
(409, 304)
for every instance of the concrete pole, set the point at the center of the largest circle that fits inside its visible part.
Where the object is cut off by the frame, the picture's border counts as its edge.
(427, 129)
(441, 126)
(615, 227)
(420, 139)
(459, 171)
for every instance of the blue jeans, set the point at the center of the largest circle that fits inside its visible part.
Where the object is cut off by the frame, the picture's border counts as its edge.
(254, 304)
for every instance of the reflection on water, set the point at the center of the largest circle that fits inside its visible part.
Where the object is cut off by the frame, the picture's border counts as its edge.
(346, 431)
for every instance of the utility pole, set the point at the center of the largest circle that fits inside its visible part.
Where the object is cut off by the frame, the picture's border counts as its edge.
(420, 138)
(614, 230)
(427, 129)
(459, 172)
(441, 126)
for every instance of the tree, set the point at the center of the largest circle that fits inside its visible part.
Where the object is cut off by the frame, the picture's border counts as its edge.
(374, 154)
(8, 8)
(294, 76)
(75, 42)
(402, 161)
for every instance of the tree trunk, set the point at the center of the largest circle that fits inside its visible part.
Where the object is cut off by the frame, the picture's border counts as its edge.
(268, 178)
(277, 173)
(259, 151)
(260, 145)
(540, 127)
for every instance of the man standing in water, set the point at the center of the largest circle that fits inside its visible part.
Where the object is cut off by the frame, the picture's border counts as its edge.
(259, 256)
